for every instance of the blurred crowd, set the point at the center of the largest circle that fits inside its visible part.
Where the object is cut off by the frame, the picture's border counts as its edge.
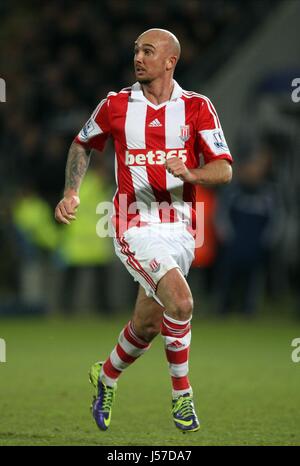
(59, 59)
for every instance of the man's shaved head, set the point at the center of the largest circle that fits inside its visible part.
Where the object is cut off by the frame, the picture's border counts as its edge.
(166, 38)
(163, 36)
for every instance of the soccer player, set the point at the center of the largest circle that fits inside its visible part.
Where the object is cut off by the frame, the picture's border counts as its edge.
(159, 131)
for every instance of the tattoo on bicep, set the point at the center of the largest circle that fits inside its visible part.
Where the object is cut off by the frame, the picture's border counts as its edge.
(77, 164)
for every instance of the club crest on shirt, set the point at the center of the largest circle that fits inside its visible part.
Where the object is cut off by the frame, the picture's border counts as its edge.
(184, 132)
(154, 265)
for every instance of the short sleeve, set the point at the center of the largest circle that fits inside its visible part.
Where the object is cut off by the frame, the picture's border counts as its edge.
(97, 129)
(211, 138)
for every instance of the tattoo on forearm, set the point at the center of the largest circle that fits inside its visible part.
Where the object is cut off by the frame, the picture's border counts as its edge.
(77, 164)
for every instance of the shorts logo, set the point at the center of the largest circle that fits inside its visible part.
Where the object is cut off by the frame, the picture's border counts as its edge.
(155, 265)
(184, 132)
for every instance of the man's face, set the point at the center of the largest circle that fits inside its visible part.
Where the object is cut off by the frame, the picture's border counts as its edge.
(150, 58)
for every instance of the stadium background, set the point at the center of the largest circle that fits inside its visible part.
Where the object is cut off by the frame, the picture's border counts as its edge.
(64, 295)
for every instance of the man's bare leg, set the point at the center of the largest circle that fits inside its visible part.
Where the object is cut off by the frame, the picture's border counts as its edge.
(147, 316)
(175, 294)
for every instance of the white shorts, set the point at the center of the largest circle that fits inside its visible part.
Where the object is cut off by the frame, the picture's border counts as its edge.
(148, 252)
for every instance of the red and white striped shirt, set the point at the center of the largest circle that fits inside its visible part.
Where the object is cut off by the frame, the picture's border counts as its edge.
(145, 135)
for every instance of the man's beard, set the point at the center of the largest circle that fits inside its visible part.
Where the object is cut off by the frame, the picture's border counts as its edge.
(144, 80)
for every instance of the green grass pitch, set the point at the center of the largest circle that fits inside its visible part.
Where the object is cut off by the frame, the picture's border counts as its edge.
(245, 384)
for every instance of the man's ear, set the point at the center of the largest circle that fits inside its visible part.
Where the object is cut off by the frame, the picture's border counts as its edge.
(171, 63)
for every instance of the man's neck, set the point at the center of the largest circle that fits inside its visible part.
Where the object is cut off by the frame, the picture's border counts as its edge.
(158, 91)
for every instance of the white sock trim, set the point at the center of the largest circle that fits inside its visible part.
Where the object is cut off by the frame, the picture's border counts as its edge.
(177, 393)
(132, 331)
(178, 322)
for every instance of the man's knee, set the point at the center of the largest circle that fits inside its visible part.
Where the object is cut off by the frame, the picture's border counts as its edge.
(175, 294)
(182, 308)
(147, 330)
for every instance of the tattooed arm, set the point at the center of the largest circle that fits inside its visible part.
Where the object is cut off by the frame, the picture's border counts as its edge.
(77, 164)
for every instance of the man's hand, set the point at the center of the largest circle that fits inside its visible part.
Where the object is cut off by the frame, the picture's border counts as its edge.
(66, 209)
(177, 168)
(211, 174)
